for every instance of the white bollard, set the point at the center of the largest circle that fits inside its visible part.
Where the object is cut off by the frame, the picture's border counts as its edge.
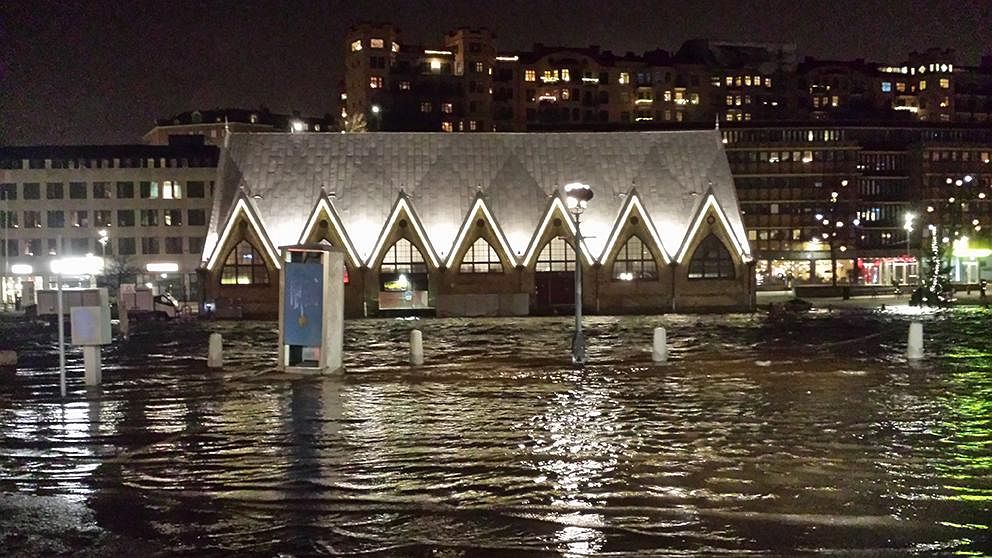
(659, 350)
(215, 352)
(8, 358)
(416, 347)
(92, 365)
(914, 348)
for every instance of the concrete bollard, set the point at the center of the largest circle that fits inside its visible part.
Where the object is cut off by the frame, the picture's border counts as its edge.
(215, 352)
(659, 349)
(92, 365)
(416, 347)
(8, 358)
(914, 348)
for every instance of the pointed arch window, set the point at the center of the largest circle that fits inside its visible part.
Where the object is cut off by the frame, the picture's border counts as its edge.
(635, 262)
(711, 260)
(557, 255)
(403, 257)
(244, 266)
(481, 257)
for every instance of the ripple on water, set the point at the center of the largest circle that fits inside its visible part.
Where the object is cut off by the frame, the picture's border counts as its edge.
(756, 436)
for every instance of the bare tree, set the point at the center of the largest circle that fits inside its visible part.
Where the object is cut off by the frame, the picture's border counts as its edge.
(354, 124)
(119, 270)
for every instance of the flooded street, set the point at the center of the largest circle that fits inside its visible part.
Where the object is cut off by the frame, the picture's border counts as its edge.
(757, 438)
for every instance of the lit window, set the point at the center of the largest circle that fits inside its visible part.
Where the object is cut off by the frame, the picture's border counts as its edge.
(395, 47)
(694, 98)
(447, 127)
(550, 76)
(530, 75)
(886, 87)
(747, 81)
(768, 82)
(668, 96)
(403, 257)
(172, 190)
(923, 84)
(435, 65)
(635, 262)
(473, 125)
(730, 80)
(480, 68)
(901, 86)
(405, 85)
(375, 82)
(679, 116)
(711, 260)
(244, 266)
(376, 43)
(834, 101)
(447, 108)
(945, 83)
(730, 100)
(624, 78)
(565, 94)
(565, 76)
(425, 107)
(356, 46)
(481, 257)
(557, 255)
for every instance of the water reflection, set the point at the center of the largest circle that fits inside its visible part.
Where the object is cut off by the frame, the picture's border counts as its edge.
(757, 438)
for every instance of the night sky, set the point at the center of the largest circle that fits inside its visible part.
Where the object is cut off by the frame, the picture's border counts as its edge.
(102, 71)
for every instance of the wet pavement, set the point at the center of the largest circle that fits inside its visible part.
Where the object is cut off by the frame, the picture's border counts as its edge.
(759, 437)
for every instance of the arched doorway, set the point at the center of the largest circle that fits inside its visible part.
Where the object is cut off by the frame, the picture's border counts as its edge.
(554, 278)
(403, 278)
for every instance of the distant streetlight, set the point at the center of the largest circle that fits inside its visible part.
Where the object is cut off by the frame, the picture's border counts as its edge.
(577, 196)
(908, 225)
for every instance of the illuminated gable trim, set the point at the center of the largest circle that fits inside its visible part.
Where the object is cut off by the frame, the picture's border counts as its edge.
(480, 203)
(328, 208)
(711, 202)
(634, 201)
(402, 205)
(556, 203)
(242, 206)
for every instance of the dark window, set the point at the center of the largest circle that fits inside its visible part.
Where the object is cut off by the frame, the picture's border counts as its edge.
(125, 190)
(635, 262)
(149, 245)
(244, 266)
(32, 191)
(149, 217)
(125, 246)
(101, 190)
(56, 219)
(8, 191)
(195, 245)
(173, 245)
(77, 190)
(196, 217)
(148, 190)
(125, 217)
(32, 219)
(101, 218)
(711, 260)
(194, 189)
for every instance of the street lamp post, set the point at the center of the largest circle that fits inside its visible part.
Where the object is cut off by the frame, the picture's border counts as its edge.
(578, 195)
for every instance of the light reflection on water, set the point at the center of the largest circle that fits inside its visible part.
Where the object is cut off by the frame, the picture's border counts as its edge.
(756, 437)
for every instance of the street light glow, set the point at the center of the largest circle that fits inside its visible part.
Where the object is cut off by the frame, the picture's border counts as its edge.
(84, 265)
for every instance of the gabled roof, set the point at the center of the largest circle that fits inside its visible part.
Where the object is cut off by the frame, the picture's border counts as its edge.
(442, 175)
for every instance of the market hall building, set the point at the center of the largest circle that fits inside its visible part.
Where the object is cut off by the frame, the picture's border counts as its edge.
(467, 225)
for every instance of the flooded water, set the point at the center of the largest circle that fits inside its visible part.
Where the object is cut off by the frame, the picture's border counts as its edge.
(764, 438)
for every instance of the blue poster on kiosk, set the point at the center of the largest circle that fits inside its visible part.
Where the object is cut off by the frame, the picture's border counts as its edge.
(303, 300)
